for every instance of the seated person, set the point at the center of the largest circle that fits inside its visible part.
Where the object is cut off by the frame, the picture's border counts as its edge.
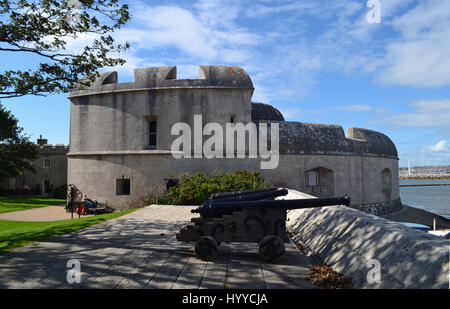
(88, 203)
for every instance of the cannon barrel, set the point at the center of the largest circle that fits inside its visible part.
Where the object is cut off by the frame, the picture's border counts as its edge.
(250, 197)
(218, 209)
(222, 195)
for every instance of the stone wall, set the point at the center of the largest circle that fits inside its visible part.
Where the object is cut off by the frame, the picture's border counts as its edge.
(112, 117)
(382, 208)
(148, 171)
(353, 242)
(109, 138)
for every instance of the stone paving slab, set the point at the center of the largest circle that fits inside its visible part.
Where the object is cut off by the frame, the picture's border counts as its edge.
(139, 250)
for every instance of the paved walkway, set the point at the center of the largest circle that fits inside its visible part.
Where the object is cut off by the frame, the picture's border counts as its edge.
(139, 250)
(49, 213)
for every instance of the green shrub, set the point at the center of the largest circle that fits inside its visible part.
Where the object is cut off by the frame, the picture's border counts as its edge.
(198, 187)
(161, 200)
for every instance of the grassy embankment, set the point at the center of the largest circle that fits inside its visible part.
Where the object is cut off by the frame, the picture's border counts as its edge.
(9, 204)
(15, 234)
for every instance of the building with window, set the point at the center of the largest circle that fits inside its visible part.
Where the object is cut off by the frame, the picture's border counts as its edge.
(121, 137)
(50, 171)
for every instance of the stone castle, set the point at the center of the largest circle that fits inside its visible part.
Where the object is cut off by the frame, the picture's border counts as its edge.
(120, 140)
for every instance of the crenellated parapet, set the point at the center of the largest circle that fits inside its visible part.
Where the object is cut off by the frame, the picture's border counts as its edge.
(262, 111)
(122, 138)
(311, 138)
(369, 141)
(47, 149)
(166, 78)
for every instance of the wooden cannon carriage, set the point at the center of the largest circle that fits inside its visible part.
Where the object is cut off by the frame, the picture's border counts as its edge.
(246, 216)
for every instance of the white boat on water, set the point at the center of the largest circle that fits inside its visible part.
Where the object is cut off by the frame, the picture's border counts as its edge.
(442, 233)
(425, 228)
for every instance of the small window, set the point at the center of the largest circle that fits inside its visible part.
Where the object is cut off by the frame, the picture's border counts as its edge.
(312, 179)
(122, 186)
(152, 131)
(46, 163)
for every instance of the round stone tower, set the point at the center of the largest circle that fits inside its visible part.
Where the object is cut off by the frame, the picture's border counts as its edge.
(121, 136)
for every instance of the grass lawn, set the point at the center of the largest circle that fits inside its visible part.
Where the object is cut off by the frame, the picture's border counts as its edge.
(8, 204)
(15, 234)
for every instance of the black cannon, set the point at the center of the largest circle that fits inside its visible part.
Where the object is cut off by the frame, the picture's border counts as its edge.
(248, 196)
(259, 221)
(223, 195)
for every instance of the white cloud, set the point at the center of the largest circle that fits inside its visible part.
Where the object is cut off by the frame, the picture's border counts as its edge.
(218, 13)
(438, 154)
(421, 62)
(434, 114)
(319, 9)
(427, 113)
(414, 53)
(191, 32)
(355, 108)
(262, 10)
(391, 7)
(212, 32)
(419, 58)
(204, 34)
(441, 146)
(291, 113)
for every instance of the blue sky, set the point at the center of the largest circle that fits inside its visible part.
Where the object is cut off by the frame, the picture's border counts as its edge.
(316, 60)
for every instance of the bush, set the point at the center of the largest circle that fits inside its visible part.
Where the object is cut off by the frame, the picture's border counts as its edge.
(198, 187)
(161, 200)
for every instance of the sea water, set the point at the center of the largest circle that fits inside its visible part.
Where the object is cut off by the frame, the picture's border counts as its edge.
(434, 199)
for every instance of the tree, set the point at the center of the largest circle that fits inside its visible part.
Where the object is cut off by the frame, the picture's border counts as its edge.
(44, 28)
(16, 150)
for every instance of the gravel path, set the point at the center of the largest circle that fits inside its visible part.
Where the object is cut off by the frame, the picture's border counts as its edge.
(49, 213)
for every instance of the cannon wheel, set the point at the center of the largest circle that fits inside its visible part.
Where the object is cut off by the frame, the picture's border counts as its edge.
(270, 248)
(206, 248)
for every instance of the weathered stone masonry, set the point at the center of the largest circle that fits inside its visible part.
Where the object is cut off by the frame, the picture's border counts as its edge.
(120, 139)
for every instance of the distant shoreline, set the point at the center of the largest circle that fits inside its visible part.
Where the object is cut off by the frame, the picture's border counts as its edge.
(423, 177)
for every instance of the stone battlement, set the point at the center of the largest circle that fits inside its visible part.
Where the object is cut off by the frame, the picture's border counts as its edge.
(124, 131)
(166, 78)
(311, 138)
(54, 149)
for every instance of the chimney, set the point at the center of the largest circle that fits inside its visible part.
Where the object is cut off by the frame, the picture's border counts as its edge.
(41, 141)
